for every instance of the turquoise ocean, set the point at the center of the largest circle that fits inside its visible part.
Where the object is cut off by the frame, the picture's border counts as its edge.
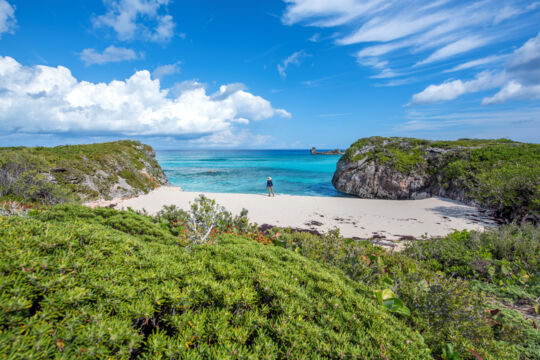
(294, 172)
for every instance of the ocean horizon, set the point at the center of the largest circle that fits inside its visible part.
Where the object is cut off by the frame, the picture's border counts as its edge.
(293, 172)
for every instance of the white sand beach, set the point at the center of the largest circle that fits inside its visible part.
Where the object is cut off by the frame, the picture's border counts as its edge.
(363, 218)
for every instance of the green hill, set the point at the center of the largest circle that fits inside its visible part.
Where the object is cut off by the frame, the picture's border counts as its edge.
(78, 172)
(100, 283)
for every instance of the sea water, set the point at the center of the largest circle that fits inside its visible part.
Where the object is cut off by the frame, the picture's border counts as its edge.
(294, 172)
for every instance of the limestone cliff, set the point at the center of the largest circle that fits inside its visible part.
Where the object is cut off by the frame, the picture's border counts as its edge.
(499, 175)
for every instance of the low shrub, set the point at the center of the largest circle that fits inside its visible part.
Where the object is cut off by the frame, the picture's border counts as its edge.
(74, 284)
(204, 220)
(445, 311)
(509, 254)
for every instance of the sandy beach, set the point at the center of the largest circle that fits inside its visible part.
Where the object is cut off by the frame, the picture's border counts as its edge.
(354, 217)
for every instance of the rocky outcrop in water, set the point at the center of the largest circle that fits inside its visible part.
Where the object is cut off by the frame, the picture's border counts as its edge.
(499, 175)
(314, 151)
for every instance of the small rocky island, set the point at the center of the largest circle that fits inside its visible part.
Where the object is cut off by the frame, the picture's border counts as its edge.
(314, 151)
(502, 176)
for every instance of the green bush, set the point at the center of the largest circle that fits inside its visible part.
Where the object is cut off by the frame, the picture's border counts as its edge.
(510, 252)
(203, 221)
(445, 311)
(75, 284)
(503, 266)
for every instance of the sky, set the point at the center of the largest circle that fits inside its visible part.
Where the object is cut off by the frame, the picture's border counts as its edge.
(267, 74)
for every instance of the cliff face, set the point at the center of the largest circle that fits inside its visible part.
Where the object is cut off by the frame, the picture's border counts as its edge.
(500, 175)
(79, 172)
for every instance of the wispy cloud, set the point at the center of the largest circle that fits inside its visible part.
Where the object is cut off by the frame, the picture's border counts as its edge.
(110, 54)
(414, 32)
(520, 79)
(293, 59)
(454, 48)
(264, 53)
(165, 70)
(141, 19)
(522, 123)
(476, 63)
(321, 80)
(7, 17)
(333, 115)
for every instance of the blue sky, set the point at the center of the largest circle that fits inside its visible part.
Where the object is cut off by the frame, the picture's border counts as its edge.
(267, 74)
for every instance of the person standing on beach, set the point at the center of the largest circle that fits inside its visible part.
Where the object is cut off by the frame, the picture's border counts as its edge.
(270, 186)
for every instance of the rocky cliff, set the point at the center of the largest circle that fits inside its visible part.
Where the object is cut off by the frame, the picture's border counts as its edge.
(79, 172)
(500, 175)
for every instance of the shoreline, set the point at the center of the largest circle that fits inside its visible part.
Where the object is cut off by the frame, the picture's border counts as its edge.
(391, 220)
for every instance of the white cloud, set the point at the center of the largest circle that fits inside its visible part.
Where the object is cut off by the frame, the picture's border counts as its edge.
(413, 32)
(328, 13)
(514, 90)
(450, 90)
(43, 99)
(144, 19)
(7, 17)
(110, 54)
(457, 47)
(165, 70)
(475, 63)
(292, 59)
(386, 29)
(519, 80)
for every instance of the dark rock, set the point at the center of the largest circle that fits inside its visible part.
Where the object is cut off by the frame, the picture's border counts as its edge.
(314, 151)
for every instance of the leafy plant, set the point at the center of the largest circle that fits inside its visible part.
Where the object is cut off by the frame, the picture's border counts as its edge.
(82, 283)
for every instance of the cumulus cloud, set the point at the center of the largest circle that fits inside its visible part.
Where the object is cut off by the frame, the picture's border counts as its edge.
(165, 70)
(43, 99)
(294, 59)
(415, 32)
(110, 54)
(144, 19)
(520, 79)
(514, 90)
(7, 17)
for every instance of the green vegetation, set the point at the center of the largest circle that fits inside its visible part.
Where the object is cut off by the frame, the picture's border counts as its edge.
(501, 174)
(80, 283)
(101, 283)
(446, 309)
(78, 172)
(503, 265)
